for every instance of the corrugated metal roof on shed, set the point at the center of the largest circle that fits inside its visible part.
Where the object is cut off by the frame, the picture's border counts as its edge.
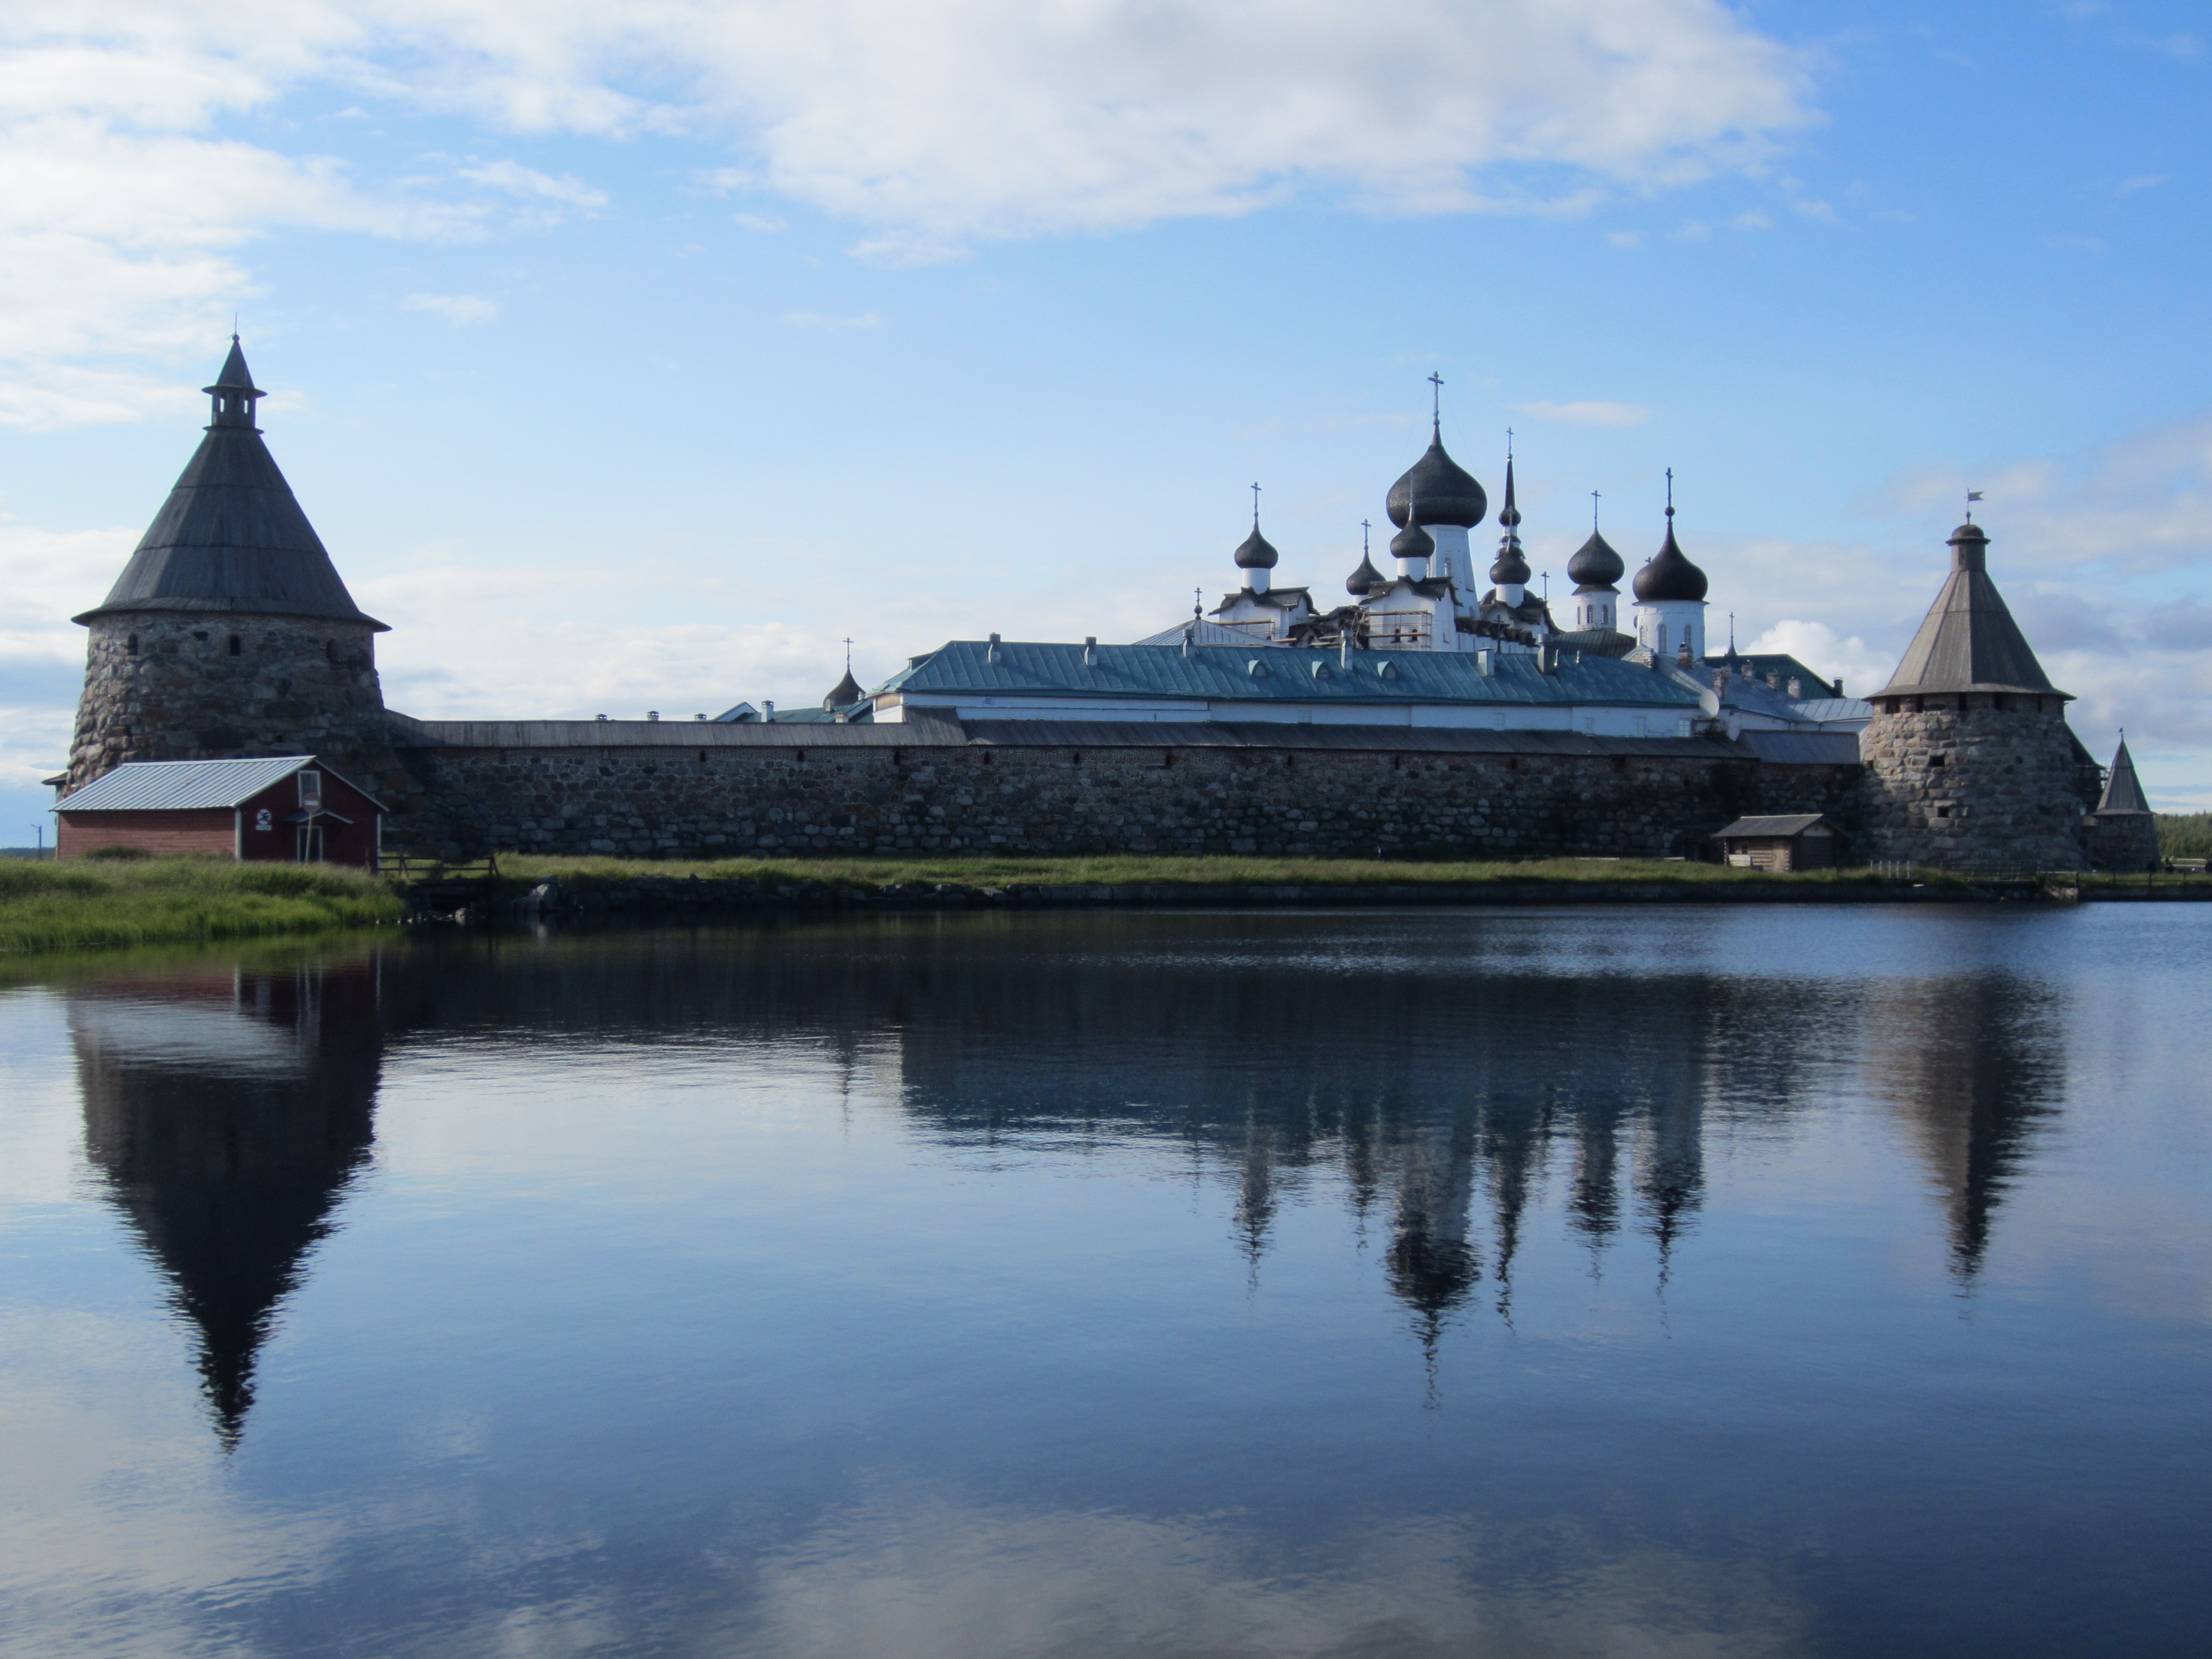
(1780, 825)
(1221, 672)
(178, 785)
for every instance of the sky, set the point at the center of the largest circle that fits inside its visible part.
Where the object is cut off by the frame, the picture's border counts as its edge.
(637, 354)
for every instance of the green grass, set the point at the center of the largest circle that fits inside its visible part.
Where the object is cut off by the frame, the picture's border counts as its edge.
(2185, 834)
(1118, 870)
(101, 904)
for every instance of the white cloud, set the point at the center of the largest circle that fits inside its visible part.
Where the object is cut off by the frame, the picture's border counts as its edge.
(2142, 181)
(1861, 667)
(2135, 506)
(1587, 413)
(515, 178)
(931, 126)
(760, 222)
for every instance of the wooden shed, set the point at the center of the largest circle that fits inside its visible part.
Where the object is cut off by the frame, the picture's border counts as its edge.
(289, 809)
(1803, 841)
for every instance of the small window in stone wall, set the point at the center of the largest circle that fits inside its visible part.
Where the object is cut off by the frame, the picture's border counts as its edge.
(237, 645)
(129, 644)
(1936, 760)
(331, 649)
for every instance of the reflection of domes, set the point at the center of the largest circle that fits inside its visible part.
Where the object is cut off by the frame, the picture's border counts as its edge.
(1256, 552)
(1668, 574)
(1596, 564)
(1447, 494)
(1366, 579)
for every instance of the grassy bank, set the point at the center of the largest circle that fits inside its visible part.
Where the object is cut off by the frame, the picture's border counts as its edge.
(1121, 870)
(98, 903)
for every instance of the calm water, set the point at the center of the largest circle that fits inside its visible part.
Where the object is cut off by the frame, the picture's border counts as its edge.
(1616, 1282)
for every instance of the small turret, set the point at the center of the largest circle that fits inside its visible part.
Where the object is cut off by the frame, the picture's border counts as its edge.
(1413, 547)
(1255, 554)
(1670, 596)
(1366, 579)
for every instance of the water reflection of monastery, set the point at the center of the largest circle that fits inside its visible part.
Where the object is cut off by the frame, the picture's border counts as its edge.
(1458, 1100)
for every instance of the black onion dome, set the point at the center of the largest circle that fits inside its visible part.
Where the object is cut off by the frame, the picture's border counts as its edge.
(1413, 542)
(1667, 574)
(1596, 564)
(1448, 494)
(845, 693)
(1363, 580)
(1256, 552)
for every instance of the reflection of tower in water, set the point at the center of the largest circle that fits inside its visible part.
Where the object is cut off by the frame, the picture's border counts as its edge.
(226, 1114)
(1972, 1065)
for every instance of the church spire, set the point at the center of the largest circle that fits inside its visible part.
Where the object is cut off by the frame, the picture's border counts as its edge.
(233, 394)
(1511, 569)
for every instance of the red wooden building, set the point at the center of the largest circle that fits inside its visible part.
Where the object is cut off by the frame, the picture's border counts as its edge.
(290, 809)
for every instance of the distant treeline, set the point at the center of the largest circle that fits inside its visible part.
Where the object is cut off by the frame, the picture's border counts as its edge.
(2185, 834)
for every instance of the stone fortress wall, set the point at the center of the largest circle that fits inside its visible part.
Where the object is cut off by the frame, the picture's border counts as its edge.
(828, 797)
(209, 685)
(1991, 783)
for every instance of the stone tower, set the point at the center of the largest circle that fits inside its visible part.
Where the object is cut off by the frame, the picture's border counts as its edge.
(229, 633)
(2122, 834)
(1969, 760)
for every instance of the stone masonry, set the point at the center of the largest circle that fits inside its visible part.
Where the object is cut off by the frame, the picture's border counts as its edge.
(1991, 785)
(784, 801)
(169, 685)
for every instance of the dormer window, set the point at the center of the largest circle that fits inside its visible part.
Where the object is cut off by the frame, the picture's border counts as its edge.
(311, 791)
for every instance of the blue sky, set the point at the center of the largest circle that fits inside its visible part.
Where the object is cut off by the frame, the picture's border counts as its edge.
(634, 356)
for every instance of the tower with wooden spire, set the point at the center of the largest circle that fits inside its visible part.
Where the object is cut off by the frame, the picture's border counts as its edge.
(229, 633)
(1969, 761)
(2121, 834)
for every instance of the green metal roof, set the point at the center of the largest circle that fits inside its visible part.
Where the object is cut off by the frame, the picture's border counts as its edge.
(1273, 674)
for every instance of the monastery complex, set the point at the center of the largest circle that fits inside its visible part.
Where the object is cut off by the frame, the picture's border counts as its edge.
(231, 702)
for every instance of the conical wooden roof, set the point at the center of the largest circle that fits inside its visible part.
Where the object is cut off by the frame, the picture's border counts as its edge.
(1968, 640)
(2124, 791)
(231, 538)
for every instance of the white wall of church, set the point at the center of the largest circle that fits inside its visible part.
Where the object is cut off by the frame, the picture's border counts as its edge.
(1662, 625)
